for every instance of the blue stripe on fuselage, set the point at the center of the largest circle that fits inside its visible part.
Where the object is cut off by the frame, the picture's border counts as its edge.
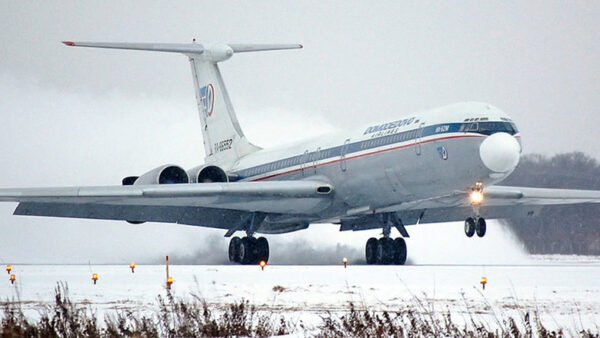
(376, 140)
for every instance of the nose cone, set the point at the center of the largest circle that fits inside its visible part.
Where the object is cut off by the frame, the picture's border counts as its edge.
(500, 152)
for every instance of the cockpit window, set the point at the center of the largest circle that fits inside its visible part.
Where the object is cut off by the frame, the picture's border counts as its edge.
(489, 128)
(472, 126)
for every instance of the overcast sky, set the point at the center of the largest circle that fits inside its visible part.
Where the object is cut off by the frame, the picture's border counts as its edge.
(71, 116)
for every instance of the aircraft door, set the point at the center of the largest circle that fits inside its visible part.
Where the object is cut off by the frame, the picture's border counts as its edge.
(418, 139)
(304, 163)
(343, 155)
(315, 159)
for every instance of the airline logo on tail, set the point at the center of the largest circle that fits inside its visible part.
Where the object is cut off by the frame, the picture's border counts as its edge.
(207, 96)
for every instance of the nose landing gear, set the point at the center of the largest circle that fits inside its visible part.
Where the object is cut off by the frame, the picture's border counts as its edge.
(477, 224)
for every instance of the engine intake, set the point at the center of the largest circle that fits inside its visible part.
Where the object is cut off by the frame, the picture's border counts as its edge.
(129, 180)
(207, 174)
(166, 174)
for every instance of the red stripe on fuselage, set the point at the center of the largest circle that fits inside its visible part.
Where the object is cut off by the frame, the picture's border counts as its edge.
(367, 154)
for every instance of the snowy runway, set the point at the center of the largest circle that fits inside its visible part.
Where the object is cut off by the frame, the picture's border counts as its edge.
(564, 290)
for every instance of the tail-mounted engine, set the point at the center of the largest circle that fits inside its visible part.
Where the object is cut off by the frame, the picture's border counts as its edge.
(166, 174)
(207, 174)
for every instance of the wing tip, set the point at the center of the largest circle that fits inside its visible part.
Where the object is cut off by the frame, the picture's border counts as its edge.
(69, 43)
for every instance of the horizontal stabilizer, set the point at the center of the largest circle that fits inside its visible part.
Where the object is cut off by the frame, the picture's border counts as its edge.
(186, 48)
(193, 48)
(241, 48)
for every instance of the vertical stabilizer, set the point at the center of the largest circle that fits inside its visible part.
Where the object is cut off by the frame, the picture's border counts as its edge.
(224, 141)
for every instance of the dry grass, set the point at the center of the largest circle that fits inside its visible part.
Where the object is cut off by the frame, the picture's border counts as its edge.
(195, 318)
(174, 318)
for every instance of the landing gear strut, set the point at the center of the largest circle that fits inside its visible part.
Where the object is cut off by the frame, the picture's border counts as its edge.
(248, 250)
(473, 226)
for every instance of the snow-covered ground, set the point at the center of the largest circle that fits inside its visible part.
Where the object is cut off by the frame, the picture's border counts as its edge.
(565, 290)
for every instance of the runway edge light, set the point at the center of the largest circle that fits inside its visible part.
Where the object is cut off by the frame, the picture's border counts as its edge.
(8, 268)
(262, 264)
(169, 278)
(132, 266)
(345, 261)
(483, 282)
(95, 278)
(12, 278)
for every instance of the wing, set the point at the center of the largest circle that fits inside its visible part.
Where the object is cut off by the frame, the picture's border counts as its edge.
(500, 202)
(500, 195)
(220, 205)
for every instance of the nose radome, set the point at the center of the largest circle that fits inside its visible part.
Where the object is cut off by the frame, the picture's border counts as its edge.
(500, 152)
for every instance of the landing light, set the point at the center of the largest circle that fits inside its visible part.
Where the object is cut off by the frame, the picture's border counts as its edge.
(476, 197)
(262, 264)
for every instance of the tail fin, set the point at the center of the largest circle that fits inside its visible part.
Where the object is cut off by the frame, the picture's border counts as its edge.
(224, 141)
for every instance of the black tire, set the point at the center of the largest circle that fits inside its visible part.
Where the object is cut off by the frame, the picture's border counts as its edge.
(262, 250)
(400, 251)
(246, 250)
(234, 250)
(385, 251)
(469, 227)
(370, 249)
(254, 250)
(481, 226)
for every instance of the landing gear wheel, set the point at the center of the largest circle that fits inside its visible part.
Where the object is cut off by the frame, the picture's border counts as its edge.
(246, 252)
(262, 250)
(234, 250)
(399, 251)
(480, 227)
(385, 250)
(370, 250)
(469, 227)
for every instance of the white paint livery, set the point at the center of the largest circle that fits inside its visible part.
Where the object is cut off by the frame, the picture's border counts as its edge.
(436, 166)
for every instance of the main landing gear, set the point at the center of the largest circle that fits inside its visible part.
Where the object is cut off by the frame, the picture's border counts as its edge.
(248, 250)
(386, 251)
(475, 225)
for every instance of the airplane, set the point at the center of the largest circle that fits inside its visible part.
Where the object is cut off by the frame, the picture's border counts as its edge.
(440, 165)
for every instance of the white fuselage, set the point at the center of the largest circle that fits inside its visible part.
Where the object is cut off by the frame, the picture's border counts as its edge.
(410, 158)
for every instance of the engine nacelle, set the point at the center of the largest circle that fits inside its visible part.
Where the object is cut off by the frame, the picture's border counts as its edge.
(207, 174)
(166, 174)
